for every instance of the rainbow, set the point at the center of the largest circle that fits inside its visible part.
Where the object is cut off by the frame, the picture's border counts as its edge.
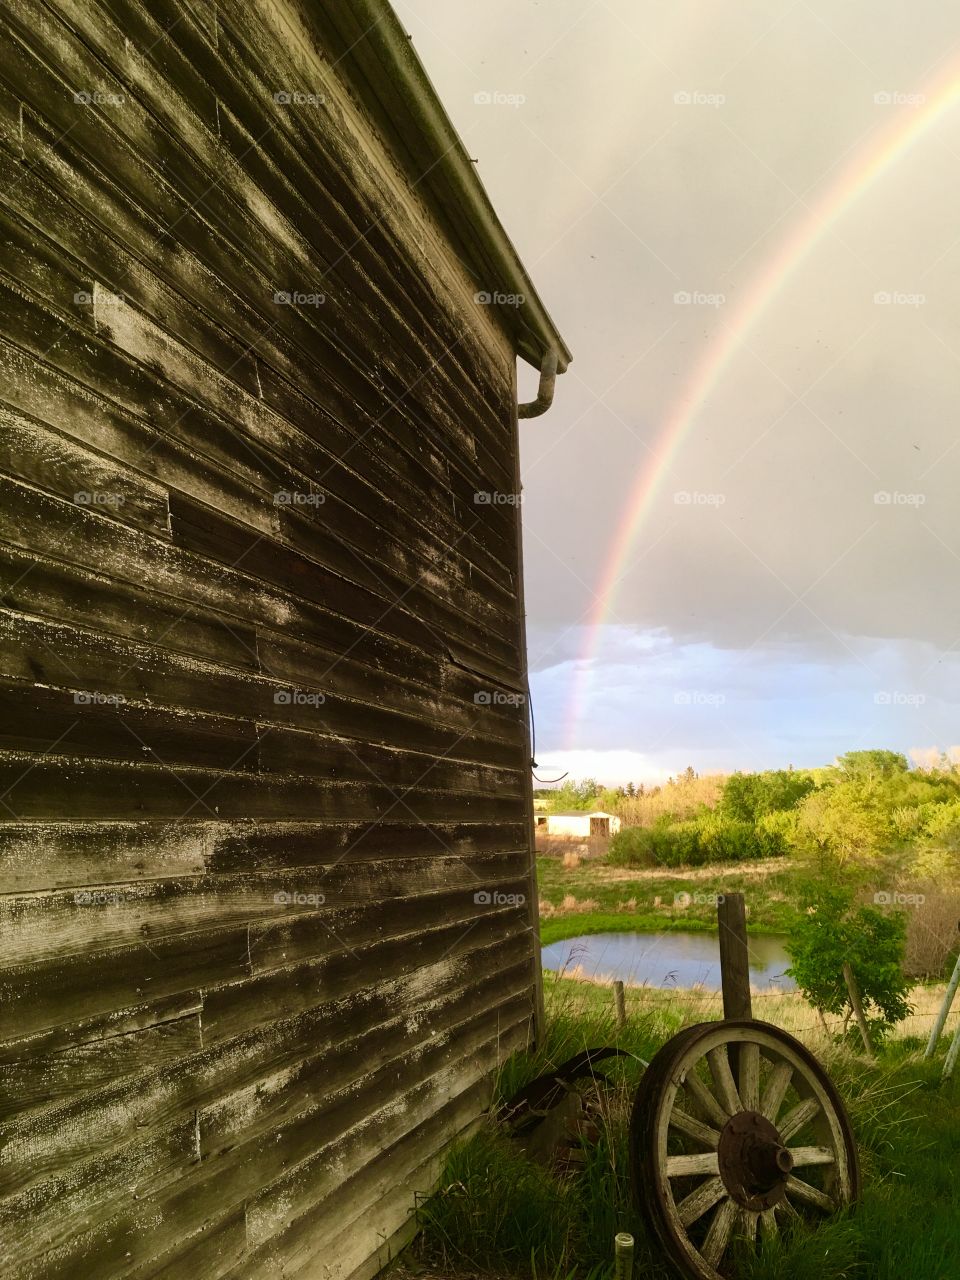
(855, 180)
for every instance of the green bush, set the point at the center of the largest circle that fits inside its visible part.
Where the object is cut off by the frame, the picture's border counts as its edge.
(693, 843)
(748, 797)
(726, 839)
(632, 847)
(835, 930)
(776, 833)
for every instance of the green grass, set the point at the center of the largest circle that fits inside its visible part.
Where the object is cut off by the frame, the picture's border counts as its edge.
(499, 1214)
(619, 898)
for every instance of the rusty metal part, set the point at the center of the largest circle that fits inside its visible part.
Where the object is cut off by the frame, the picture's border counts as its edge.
(754, 1163)
(529, 1106)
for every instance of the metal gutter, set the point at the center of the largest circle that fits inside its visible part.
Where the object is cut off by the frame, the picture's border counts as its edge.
(370, 46)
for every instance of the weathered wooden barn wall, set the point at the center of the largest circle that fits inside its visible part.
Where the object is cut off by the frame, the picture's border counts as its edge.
(248, 793)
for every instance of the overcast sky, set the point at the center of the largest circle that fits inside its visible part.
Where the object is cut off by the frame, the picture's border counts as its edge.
(770, 609)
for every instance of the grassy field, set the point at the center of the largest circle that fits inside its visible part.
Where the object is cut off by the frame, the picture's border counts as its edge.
(596, 898)
(498, 1214)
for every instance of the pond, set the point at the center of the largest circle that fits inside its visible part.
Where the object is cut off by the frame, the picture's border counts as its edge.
(667, 959)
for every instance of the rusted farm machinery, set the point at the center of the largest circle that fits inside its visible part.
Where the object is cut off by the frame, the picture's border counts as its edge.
(736, 1129)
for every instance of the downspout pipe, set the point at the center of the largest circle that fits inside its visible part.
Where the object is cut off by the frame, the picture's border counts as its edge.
(548, 382)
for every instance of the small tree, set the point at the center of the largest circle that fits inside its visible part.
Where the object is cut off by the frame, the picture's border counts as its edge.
(747, 797)
(860, 765)
(835, 930)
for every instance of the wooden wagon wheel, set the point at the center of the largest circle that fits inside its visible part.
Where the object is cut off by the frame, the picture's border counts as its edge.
(716, 1158)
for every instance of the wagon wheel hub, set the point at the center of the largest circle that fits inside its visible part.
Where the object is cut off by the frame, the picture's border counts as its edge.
(753, 1162)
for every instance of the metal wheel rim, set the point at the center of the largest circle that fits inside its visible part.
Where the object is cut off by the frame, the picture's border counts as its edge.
(696, 1216)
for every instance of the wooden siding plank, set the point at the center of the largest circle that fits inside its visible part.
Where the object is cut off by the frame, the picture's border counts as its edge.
(48, 460)
(41, 927)
(66, 657)
(49, 855)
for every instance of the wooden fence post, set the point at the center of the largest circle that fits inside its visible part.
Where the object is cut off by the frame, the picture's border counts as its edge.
(620, 1004)
(734, 956)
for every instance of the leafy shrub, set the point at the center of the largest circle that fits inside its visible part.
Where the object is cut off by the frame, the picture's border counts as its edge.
(834, 930)
(725, 839)
(632, 847)
(942, 827)
(748, 797)
(693, 843)
(776, 833)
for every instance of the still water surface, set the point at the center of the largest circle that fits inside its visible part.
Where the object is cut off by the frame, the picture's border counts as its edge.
(667, 959)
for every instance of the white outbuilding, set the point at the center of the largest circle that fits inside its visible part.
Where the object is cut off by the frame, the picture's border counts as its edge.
(578, 824)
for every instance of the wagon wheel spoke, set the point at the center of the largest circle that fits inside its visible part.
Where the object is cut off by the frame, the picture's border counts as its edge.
(723, 1080)
(786, 1212)
(748, 1226)
(776, 1090)
(749, 1076)
(768, 1225)
(684, 1166)
(802, 1191)
(797, 1117)
(694, 1128)
(720, 1231)
(696, 1204)
(812, 1155)
(705, 1100)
